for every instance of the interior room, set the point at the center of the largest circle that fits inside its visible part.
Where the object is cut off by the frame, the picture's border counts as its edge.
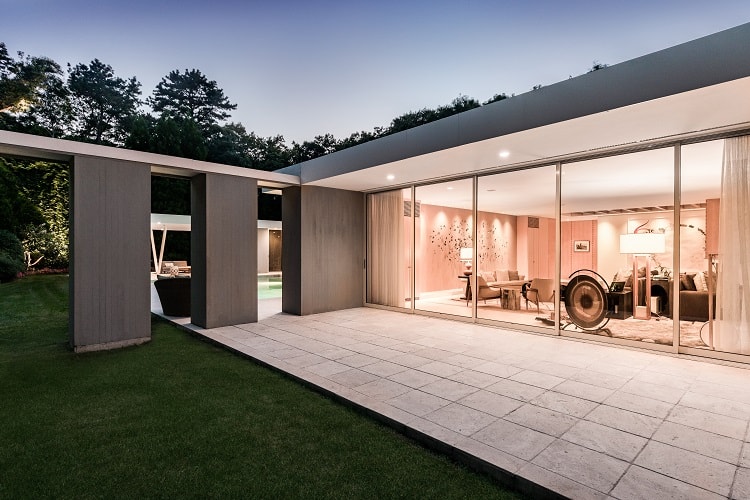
(607, 205)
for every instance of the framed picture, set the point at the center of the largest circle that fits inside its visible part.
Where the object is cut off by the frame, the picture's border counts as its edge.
(581, 245)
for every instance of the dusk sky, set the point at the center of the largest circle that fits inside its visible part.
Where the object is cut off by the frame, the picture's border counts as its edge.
(304, 68)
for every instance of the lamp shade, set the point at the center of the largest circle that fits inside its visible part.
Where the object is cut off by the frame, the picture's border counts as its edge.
(466, 253)
(642, 243)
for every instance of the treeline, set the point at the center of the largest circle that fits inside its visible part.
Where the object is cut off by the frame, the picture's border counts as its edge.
(185, 115)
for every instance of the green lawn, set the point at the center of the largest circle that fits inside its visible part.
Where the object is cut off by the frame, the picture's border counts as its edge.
(181, 418)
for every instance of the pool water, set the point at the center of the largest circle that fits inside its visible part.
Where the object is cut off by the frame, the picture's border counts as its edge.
(269, 287)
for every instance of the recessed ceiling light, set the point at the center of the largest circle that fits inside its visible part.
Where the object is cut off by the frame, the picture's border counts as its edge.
(450, 188)
(491, 190)
(504, 154)
(390, 177)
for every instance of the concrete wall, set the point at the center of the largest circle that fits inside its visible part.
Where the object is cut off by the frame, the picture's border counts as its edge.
(324, 249)
(109, 265)
(224, 250)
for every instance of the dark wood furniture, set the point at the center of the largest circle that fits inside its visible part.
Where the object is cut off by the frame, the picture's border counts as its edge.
(620, 304)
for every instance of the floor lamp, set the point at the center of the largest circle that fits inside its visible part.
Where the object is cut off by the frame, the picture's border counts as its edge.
(642, 245)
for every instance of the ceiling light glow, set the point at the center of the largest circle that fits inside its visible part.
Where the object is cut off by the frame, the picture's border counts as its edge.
(390, 177)
(504, 154)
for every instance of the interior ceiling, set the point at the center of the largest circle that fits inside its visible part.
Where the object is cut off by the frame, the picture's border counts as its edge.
(625, 181)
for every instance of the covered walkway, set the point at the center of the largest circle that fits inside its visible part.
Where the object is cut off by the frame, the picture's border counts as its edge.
(580, 419)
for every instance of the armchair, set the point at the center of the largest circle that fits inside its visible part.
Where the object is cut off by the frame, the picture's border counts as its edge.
(541, 290)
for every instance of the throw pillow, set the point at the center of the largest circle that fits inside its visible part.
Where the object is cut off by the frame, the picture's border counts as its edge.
(513, 275)
(502, 275)
(686, 282)
(700, 282)
(488, 276)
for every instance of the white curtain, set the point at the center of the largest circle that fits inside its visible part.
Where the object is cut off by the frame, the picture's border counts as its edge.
(386, 252)
(732, 332)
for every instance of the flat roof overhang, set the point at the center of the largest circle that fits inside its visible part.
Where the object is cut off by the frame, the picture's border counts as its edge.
(46, 148)
(694, 89)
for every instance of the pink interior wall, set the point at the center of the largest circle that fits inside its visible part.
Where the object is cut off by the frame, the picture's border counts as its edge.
(443, 231)
(570, 260)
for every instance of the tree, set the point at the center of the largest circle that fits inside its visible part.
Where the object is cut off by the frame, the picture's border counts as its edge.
(19, 79)
(103, 104)
(191, 96)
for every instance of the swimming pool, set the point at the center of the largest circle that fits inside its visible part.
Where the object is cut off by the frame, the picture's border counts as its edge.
(269, 286)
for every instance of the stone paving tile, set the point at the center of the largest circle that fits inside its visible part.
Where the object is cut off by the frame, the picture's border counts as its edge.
(464, 361)
(418, 403)
(653, 391)
(698, 470)
(732, 389)
(741, 486)
(643, 484)
(358, 360)
(584, 391)
(383, 389)
(497, 369)
(612, 442)
(516, 390)
(560, 484)
(745, 457)
(305, 360)
(491, 403)
(624, 420)
(440, 369)
(327, 368)
(288, 352)
(414, 378)
(434, 354)
(542, 419)
(353, 378)
(515, 439)
(663, 379)
(699, 441)
(719, 424)
(639, 404)
(537, 379)
(448, 389)
(575, 462)
(706, 402)
(461, 419)
(383, 368)
(476, 379)
(555, 369)
(617, 369)
(335, 353)
(570, 405)
(410, 360)
(489, 454)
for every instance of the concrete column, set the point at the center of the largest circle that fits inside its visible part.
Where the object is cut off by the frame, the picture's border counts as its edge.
(324, 249)
(224, 251)
(110, 299)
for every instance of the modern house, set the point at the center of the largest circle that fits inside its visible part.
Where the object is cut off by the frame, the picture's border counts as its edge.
(521, 213)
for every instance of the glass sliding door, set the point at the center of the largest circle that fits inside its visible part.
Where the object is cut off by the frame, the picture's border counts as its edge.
(443, 247)
(714, 258)
(617, 240)
(516, 246)
(389, 230)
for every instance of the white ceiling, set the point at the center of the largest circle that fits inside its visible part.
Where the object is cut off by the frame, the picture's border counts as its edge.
(626, 181)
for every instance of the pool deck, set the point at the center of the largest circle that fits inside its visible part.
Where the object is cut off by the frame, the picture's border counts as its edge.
(549, 416)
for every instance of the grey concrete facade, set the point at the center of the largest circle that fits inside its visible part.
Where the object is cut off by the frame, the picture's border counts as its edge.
(224, 250)
(323, 254)
(109, 266)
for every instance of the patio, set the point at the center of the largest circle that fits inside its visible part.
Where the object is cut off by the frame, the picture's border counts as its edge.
(582, 419)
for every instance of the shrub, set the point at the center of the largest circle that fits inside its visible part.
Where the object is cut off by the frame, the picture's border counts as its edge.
(11, 256)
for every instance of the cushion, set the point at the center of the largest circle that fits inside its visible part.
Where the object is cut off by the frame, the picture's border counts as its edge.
(502, 275)
(487, 275)
(686, 282)
(700, 282)
(513, 275)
